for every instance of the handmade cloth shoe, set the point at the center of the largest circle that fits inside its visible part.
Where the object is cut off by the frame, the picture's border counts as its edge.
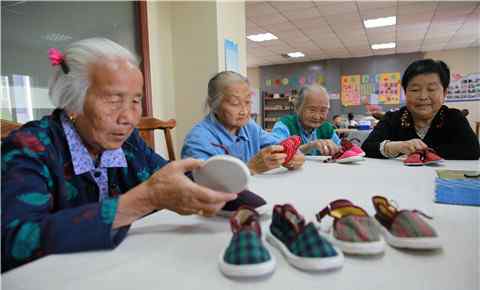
(349, 153)
(246, 255)
(290, 147)
(431, 157)
(245, 198)
(404, 228)
(414, 159)
(421, 157)
(300, 243)
(353, 230)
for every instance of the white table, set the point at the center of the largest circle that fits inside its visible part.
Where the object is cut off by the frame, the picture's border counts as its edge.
(167, 251)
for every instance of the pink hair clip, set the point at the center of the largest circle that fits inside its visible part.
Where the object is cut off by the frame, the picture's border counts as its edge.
(57, 58)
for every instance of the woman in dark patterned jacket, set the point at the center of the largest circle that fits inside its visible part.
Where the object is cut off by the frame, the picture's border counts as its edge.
(425, 121)
(76, 180)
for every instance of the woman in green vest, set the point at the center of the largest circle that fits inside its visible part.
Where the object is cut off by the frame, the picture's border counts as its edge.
(310, 122)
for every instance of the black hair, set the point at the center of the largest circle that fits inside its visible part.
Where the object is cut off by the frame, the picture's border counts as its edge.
(335, 116)
(350, 116)
(427, 66)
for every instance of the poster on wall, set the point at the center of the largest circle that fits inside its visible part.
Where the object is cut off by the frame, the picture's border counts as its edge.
(389, 88)
(231, 56)
(378, 89)
(350, 90)
(464, 88)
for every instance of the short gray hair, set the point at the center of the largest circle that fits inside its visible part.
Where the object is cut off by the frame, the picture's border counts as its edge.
(68, 90)
(217, 85)
(307, 90)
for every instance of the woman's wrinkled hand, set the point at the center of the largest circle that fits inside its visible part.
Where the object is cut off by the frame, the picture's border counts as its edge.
(170, 189)
(268, 158)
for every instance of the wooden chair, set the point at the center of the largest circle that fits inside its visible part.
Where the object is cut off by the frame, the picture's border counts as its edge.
(148, 124)
(8, 126)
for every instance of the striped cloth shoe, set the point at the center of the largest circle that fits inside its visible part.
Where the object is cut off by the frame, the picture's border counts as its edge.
(300, 243)
(404, 228)
(246, 255)
(353, 230)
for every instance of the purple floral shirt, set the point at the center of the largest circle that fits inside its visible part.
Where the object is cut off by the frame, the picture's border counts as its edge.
(83, 162)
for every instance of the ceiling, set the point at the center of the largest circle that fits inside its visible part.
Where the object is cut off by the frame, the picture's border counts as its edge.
(334, 29)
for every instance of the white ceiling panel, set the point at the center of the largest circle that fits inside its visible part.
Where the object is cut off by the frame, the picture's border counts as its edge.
(347, 7)
(370, 5)
(416, 7)
(283, 26)
(377, 13)
(254, 9)
(311, 23)
(269, 19)
(301, 14)
(286, 6)
(331, 29)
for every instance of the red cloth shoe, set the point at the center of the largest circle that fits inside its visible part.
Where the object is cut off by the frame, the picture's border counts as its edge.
(431, 157)
(349, 153)
(290, 147)
(423, 157)
(414, 159)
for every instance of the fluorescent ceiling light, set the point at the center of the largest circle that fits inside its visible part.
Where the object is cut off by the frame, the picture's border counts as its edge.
(384, 45)
(380, 22)
(295, 54)
(262, 37)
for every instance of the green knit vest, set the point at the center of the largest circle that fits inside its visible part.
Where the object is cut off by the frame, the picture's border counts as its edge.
(325, 131)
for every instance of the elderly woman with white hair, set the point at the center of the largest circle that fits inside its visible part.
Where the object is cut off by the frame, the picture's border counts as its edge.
(228, 129)
(77, 179)
(311, 107)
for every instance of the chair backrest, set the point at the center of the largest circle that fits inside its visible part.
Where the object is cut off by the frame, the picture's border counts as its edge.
(148, 124)
(8, 126)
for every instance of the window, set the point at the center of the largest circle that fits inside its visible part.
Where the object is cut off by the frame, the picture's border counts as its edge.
(29, 29)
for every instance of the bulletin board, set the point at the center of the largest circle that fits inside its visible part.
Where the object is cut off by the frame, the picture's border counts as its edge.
(464, 88)
(377, 89)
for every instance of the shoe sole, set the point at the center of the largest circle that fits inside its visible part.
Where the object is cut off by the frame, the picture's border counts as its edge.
(309, 264)
(414, 164)
(356, 248)
(250, 270)
(262, 210)
(433, 162)
(350, 159)
(408, 243)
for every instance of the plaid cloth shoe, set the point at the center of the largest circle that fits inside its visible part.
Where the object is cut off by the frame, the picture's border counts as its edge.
(245, 198)
(404, 228)
(353, 230)
(246, 255)
(300, 243)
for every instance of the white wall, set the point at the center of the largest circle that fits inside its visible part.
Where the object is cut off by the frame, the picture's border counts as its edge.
(463, 61)
(195, 60)
(186, 50)
(231, 25)
(161, 67)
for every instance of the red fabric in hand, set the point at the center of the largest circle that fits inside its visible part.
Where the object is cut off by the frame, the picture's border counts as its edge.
(290, 147)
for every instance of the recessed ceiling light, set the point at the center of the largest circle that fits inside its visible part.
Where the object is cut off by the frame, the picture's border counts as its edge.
(296, 54)
(57, 37)
(262, 37)
(380, 22)
(383, 45)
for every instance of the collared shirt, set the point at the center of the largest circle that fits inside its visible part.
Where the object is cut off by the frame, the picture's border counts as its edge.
(280, 130)
(82, 161)
(209, 138)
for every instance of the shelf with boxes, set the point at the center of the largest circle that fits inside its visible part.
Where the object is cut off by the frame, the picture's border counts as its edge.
(275, 106)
